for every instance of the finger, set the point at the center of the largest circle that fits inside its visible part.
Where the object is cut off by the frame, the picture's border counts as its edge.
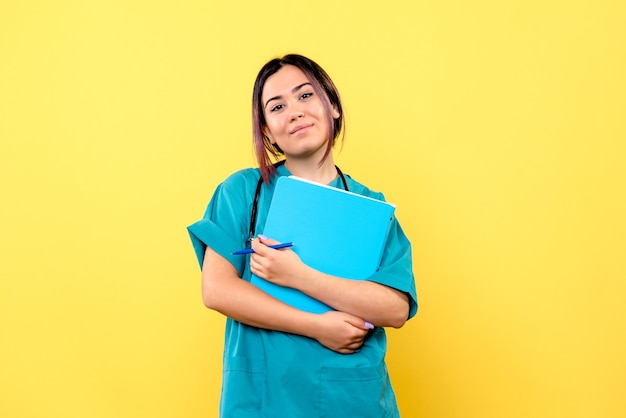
(255, 259)
(267, 241)
(253, 267)
(360, 323)
(256, 268)
(258, 247)
(354, 345)
(349, 350)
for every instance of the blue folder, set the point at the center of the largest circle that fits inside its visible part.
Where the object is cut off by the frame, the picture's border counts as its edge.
(334, 231)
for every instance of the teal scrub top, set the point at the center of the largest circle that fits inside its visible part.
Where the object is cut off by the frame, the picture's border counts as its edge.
(274, 374)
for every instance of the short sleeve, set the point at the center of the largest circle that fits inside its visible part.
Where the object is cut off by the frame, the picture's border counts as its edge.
(224, 224)
(396, 266)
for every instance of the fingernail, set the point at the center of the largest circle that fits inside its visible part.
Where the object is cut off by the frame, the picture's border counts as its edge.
(262, 236)
(356, 351)
(368, 325)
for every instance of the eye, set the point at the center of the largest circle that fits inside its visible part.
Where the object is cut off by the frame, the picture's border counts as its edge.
(276, 108)
(306, 96)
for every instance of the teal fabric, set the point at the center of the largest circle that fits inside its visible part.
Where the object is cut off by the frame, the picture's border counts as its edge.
(274, 374)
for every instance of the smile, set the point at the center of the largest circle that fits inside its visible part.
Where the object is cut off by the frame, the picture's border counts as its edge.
(301, 128)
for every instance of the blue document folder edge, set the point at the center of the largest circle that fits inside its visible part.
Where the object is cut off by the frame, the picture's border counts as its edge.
(334, 231)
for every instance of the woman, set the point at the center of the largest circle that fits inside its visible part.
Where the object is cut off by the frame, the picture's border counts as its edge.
(280, 361)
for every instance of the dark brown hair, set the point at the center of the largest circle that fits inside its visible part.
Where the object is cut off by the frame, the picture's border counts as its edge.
(323, 87)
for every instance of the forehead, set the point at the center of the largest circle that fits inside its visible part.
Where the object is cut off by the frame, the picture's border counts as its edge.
(283, 81)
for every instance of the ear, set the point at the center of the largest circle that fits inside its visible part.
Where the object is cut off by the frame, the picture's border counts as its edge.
(335, 113)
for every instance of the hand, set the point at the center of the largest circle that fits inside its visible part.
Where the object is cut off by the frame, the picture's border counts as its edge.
(282, 267)
(341, 332)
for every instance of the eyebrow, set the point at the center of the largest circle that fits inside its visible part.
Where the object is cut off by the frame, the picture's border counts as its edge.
(293, 90)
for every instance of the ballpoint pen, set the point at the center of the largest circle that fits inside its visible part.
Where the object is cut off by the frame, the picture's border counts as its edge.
(275, 247)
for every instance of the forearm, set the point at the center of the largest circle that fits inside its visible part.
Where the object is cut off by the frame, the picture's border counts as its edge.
(225, 292)
(376, 303)
(244, 302)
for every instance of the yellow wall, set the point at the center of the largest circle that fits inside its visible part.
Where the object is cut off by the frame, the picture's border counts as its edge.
(496, 127)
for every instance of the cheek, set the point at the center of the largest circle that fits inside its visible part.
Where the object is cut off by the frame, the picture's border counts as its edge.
(272, 128)
(321, 111)
(323, 117)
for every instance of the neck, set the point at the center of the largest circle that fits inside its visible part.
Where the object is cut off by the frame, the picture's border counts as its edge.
(312, 170)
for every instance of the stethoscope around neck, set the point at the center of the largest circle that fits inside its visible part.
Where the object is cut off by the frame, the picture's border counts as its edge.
(257, 193)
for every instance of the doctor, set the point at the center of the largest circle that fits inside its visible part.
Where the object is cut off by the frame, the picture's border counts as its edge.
(280, 361)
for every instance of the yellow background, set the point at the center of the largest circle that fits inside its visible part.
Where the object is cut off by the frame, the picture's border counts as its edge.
(496, 127)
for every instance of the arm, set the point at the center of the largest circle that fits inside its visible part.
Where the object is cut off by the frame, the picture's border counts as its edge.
(225, 292)
(378, 304)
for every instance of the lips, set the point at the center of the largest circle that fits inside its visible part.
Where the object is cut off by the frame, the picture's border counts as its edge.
(301, 128)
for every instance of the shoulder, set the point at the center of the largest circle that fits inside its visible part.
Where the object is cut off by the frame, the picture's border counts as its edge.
(240, 182)
(362, 189)
(237, 189)
(243, 177)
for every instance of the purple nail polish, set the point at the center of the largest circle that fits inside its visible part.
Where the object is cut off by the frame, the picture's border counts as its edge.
(262, 236)
(369, 325)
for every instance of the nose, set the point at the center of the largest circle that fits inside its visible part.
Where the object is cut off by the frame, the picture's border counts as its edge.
(296, 112)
